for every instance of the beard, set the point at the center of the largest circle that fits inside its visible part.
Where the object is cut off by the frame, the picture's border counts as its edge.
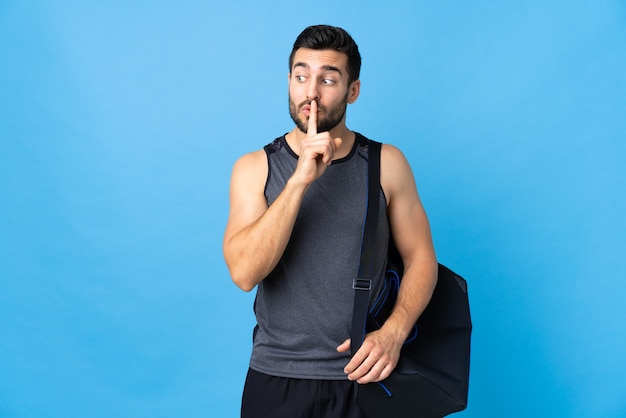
(332, 116)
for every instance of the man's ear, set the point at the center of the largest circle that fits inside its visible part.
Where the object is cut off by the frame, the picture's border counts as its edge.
(353, 91)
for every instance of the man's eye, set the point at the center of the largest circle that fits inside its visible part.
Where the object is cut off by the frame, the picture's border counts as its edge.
(300, 78)
(328, 81)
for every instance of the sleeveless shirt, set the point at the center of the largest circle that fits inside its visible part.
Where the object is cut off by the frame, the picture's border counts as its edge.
(304, 306)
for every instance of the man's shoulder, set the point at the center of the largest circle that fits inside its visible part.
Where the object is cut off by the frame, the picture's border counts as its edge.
(385, 146)
(259, 155)
(391, 150)
(389, 153)
(251, 164)
(276, 145)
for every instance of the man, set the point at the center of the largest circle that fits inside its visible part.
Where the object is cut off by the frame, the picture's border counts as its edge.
(294, 231)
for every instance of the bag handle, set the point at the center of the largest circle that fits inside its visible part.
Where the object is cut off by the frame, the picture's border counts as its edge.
(362, 285)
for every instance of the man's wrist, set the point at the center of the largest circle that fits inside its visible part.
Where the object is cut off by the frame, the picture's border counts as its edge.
(398, 325)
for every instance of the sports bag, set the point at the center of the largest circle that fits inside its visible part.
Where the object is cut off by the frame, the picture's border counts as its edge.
(432, 375)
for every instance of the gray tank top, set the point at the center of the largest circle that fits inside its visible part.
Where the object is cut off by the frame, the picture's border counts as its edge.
(304, 306)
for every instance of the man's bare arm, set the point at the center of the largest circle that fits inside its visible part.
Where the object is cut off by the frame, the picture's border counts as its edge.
(411, 232)
(379, 354)
(256, 235)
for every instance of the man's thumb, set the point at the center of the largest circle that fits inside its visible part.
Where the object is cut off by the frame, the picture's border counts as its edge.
(345, 346)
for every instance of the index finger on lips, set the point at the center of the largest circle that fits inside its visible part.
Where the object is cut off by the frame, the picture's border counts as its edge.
(312, 127)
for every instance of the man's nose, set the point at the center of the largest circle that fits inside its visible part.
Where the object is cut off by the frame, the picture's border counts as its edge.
(313, 92)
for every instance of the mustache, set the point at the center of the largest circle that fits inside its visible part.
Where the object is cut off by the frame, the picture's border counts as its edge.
(320, 107)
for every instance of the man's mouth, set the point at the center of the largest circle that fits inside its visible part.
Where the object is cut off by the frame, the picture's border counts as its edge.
(306, 109)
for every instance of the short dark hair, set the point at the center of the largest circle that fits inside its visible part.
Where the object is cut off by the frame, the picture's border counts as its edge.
(330, 37)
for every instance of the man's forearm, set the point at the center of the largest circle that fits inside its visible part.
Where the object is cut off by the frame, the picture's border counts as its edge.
(252, 253)
(417, 286)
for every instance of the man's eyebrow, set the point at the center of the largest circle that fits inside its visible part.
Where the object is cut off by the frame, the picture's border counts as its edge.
(325, 68)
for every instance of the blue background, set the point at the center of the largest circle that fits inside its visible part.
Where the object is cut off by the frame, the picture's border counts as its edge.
(119, 125)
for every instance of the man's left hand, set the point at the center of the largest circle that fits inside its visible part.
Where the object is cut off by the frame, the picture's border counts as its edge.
(376, 358)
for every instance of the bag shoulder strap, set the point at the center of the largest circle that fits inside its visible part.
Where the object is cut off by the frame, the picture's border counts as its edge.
(362, 285)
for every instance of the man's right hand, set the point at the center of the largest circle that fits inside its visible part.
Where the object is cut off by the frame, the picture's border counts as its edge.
(317, 150)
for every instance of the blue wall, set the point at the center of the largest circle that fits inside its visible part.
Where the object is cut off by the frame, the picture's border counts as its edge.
(120, 122)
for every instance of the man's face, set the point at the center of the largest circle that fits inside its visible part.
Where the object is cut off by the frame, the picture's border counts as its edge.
(321, 75)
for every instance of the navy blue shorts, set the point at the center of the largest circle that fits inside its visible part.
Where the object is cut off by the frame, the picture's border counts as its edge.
(267, 396)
